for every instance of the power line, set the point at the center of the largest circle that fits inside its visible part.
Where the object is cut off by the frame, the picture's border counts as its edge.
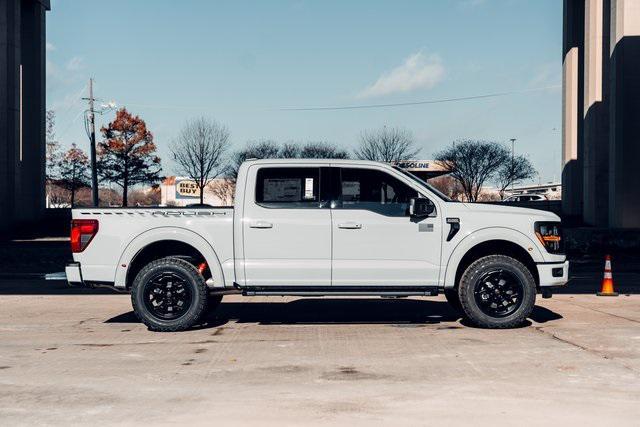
(406, 104)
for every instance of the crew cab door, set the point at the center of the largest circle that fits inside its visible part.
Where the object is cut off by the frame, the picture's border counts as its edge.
(375, 241)
(286, 227)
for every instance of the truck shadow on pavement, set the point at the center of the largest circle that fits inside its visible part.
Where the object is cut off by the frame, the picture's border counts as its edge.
(314, 311)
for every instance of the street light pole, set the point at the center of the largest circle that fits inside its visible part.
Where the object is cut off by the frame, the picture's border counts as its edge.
(90, 128)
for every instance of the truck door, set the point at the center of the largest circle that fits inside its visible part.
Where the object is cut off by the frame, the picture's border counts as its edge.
(375, 242)
(286, 227)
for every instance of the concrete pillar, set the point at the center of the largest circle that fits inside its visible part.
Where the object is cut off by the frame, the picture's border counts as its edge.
(596, 113)
(624, 149)
(30, 176)
(572, 107)
(9, 106)
(22, 111)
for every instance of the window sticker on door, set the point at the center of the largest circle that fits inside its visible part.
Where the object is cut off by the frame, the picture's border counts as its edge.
(308, 189)
(350, 191)
(282, 190)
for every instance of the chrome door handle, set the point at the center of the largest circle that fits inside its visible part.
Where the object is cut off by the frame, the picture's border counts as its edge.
(261, 224)
(350, 226)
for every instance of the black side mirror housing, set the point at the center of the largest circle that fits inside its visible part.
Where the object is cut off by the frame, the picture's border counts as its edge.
(420, 207)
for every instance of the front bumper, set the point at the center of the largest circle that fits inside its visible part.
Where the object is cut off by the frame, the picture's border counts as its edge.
(553, 274)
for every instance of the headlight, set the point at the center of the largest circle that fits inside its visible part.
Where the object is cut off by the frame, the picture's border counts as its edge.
(550, 235)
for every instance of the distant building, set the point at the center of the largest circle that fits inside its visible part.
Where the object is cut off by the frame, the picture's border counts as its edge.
(423, 169)
(182, 191)
(552, 191)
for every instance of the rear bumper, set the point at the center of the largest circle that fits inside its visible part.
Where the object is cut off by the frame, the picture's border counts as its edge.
(553, 274)
(73, 271)
(74, 274)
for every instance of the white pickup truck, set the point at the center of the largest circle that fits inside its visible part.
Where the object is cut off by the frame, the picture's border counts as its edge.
(322, 228)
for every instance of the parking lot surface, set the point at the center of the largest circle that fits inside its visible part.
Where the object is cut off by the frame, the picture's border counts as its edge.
(84, 358)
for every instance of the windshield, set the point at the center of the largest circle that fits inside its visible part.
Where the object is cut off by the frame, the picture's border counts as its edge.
(424, 184)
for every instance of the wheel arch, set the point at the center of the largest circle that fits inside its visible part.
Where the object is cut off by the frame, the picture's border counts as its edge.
(493, 241)
(161, 242)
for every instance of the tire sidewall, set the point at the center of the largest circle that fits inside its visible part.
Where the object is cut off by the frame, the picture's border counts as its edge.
(193, 280)
(475, 271)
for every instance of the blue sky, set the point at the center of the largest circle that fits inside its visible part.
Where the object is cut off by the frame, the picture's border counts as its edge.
(242, 63)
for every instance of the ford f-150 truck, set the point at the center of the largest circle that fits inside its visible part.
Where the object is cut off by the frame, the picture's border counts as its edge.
(322, 228)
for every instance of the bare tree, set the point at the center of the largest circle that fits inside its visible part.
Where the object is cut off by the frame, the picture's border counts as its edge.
(448, 185)
(224, 189)
(269, 149)
(53, 153)
(472, 163)
(289, 150)
(322, 150)
(387, 144)
(512, 171)
(266, 149)
(53, 156)
(199, 151)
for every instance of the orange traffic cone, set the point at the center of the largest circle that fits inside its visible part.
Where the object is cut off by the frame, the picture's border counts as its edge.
(606, 289)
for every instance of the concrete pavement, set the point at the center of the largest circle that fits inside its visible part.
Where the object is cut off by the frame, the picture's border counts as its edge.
(70, 359)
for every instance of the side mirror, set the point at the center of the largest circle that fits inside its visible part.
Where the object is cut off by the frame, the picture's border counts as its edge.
(420, 207)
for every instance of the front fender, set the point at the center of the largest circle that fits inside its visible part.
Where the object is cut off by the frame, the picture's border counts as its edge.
(486, 235)
(167, 233)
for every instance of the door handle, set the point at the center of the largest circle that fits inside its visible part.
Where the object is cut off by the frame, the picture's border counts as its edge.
(350, 226)
(261, 224)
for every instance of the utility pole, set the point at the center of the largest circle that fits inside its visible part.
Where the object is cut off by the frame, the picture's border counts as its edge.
(513, 142)
(92, 138)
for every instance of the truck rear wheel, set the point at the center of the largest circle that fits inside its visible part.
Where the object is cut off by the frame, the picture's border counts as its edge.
(169, 295)
(497, 291)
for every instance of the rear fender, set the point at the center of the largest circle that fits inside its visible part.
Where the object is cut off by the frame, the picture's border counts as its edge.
(167, 233)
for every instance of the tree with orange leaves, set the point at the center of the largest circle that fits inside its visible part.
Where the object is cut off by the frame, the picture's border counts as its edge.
(127, 155)
(73, 170)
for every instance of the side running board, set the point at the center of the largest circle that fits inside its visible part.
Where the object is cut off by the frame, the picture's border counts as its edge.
(403, 291)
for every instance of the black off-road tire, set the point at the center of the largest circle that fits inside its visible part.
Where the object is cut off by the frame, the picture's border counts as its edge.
(451, 294)
(472, 276)
(213, 301)
(193, 281)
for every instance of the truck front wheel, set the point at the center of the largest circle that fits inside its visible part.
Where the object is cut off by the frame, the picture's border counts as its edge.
(497, 291)
(169, 295)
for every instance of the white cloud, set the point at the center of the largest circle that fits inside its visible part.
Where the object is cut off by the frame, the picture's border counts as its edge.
(50, 47)
(76, 63)
(418, 71)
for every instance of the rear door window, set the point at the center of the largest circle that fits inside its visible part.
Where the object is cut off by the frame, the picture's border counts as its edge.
(288, 187)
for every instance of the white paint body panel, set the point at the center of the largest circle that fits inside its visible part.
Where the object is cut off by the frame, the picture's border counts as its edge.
(293, 250)
(306, 246)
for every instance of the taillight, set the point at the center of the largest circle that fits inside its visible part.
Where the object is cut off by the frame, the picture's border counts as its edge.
(82, 231)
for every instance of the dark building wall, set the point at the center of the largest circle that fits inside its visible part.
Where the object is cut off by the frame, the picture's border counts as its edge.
(624, 165)
(22, 165)
(572, 106)
(596, 113)
(601, 46)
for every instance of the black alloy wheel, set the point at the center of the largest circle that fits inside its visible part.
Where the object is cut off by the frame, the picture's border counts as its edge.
(167, 296)
(498, 293)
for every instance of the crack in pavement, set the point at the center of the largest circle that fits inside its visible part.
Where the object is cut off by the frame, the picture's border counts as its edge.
(603, 312)
(586, 349)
